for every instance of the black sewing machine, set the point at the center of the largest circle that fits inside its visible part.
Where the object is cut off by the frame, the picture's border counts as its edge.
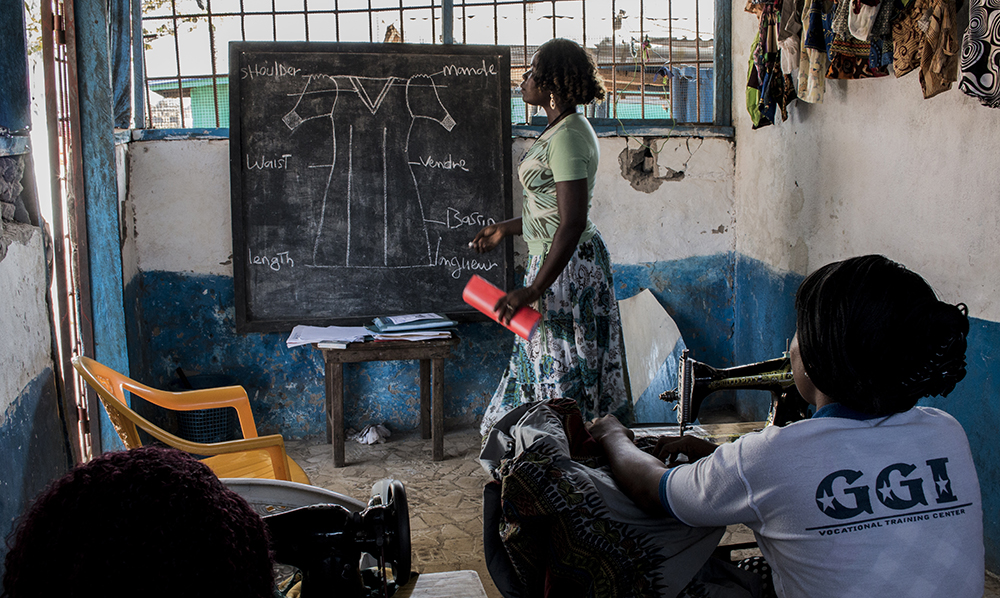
(325, 543)
(696, 380)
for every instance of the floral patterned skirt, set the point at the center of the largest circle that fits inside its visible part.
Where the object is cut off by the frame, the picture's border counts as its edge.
(577, 351)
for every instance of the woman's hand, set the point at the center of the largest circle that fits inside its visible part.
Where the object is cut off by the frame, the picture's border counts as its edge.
(487, 239)
(669, 448)
(608, 427)
(508, 305)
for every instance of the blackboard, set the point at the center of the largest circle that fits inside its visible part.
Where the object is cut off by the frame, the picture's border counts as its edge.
(359, 174)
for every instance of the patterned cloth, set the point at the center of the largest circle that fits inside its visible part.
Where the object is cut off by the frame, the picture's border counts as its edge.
(568, 530)
(981, 53)
(939, 54)
(813, 62)
(577, 352)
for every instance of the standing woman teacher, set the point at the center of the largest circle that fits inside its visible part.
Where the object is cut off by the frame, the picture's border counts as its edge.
(577, 351)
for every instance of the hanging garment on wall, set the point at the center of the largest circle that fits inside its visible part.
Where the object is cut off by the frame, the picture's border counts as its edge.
(925, 38)
(981, 53)
(861, 20)
(849, 57)
(939, 52)
(757, 105)
(813, 62)
(906, 34)
(566, 527)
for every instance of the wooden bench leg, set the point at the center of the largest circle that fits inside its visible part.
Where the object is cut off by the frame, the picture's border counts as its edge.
(437, 410)
(425, 398)
(335, 410)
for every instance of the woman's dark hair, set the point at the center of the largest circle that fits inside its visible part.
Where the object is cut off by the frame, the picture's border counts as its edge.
(145, 522)
(875, 338)
(567, 70)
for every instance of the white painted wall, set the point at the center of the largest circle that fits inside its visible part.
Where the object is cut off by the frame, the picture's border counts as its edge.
(25, 336)
(179, 192)
(681, 219)
(875, 168)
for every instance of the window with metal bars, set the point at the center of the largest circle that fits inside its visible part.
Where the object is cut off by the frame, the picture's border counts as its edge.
(658, 57)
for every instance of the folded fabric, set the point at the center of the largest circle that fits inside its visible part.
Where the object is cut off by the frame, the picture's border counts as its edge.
(566, 526)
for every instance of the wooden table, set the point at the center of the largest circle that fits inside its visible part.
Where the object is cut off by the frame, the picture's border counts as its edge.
(431, 354)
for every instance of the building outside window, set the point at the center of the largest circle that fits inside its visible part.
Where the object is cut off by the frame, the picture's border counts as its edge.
(657, 57)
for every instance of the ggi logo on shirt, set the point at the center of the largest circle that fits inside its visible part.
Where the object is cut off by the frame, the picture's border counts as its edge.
(847, 493)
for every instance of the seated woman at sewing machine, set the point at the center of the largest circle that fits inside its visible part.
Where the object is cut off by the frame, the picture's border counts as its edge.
(872, 496)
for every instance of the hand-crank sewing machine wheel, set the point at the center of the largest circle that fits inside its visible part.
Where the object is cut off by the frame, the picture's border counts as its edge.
(392, 494)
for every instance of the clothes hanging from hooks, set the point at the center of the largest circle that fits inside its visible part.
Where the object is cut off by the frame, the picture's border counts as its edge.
(980, 50)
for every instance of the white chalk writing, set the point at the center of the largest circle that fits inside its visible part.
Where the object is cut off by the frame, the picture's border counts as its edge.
(449, 164)
(469, 71)
(275, 70)
(262, 163)
(456, 265)
(457, 219)
(274, 262)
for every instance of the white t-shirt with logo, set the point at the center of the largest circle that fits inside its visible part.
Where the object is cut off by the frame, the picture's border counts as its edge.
(847, 506)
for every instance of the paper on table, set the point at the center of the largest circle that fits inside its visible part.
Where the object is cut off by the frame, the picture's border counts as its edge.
(306, 335)
(406, 319)
(412, 335)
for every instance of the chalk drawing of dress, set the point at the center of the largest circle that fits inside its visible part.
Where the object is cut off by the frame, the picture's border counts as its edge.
(368, 210)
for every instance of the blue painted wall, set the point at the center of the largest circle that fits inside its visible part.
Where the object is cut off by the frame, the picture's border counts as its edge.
(33, 444)
(15, 103)
(188, 321)
(975, 402)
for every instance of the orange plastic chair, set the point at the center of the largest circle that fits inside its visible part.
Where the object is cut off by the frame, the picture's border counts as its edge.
(251, 457)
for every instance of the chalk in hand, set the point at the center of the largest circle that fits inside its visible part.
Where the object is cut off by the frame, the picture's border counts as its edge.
(470, 243)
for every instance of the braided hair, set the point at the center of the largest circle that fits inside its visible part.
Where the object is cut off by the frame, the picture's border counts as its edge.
(568, 71)
(874, 337)
(149, 522)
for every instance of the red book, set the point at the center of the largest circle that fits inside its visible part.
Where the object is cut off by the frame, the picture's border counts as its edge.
(483, 296)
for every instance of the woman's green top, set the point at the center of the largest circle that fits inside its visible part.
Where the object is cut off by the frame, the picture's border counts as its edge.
(566, 152)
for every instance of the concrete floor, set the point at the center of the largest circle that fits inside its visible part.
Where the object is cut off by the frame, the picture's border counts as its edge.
(444, 497)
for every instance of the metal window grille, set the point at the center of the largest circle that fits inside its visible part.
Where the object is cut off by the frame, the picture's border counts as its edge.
(657, 57)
